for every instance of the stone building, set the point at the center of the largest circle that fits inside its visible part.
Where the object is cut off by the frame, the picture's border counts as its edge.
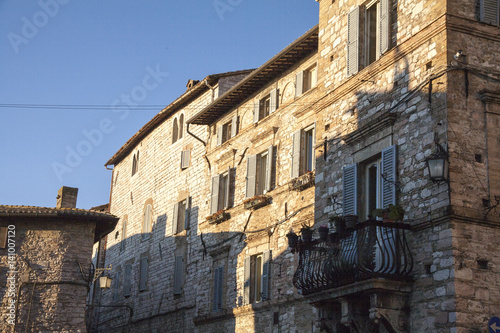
(45, 256)
(335, 128)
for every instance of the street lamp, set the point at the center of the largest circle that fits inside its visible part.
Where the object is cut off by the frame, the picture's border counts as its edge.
(104, 280)
(437, 164)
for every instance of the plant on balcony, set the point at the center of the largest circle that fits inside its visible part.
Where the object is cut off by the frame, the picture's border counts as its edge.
(323, 232)
(306, 232)
(302, 182)
(293, 239)
(338, 222)
(220, 216)
(350, 221)
(256, 202)
(393, 213)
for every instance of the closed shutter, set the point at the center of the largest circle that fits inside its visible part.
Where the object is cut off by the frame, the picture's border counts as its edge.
(228, 188)
(187, 215)
(296, 153)
(214, 203)
(269, 168)
(178, 274)
(246, 277)
(266, 267)
(127, 285)
(299, 84)
(116, 286)
(185, 158)
(234, 126)
(251, 175)
(352, 41)
(124, 235)
(219, 135)
(175, 218)
(256, 112)
(273, 103)
(350, 193)
(146, 223)
(218, 288)
(384, 27)
(143, 278)
(389, 176)
(489, 10)
(3, 237)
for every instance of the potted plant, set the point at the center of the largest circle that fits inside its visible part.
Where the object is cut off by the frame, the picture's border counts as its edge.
(256, 202)
(219, 216)
(323, 232)
(293, 239)
(393, 213)
(306, 232)
(338, 222)
(350, 221)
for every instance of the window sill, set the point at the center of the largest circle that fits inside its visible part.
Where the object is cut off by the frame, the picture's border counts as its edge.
(257, 202)
(302, 182)
(218, 217)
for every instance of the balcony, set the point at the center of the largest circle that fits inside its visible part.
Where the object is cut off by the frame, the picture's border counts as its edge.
(371, 250)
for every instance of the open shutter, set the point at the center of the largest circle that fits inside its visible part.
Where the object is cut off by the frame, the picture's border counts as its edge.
(246, 286)
(143, 278)
(273, 102)
(256, 111)
(488, 11)
(352, 41)
(187, 214)
(228, 188)
(234, 126)
(127, 286)
(388, 176)
(266, 267)
(299, 84)
(214, 203)
(269, 168)
(296, 153)
(384, 26)
(175, 218)
(314, 77)
(313, 152)
(219, 135)
(251, 173)
(178, 275)
(350, 193)
(185, 158)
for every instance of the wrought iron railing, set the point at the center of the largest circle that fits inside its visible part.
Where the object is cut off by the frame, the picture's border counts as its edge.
(372, 249)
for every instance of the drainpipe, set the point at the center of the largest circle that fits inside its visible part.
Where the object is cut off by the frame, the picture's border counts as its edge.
(194, 136)
(211, 88)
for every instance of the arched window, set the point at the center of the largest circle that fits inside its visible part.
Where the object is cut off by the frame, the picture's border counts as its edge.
(175, 131)
(181, 125)
(135, 163)
(147, 221)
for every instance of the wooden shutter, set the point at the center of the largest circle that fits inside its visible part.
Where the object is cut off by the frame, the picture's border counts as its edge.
(185, 158)
(269, 168)
(228, 188)
(187, 214)
(299, 84)
(488, 11)
(384, 27)
(175, 218)
(143, 278)
(218, 288)
(256, 111)
(214, 203)
(313, 151)
(3, 237)
(246, 277)
(266, 269)
(124, 235)
(388, 176)
(352, 41)
(314, 76)
(116, 286)
(350, 193)
(273, 102)
(234, 126)
(146, 223)
(219, 135)
(178, 274)
(251, 175)
(296, 153)
(127, 285)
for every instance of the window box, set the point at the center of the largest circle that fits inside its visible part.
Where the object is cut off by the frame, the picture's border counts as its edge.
(302, 182)
(218, 217)
(257, 202)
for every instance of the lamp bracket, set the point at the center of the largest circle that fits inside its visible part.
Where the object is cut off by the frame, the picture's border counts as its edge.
(99, 271)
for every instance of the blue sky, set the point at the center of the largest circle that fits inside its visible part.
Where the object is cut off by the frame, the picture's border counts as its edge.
(60, 53)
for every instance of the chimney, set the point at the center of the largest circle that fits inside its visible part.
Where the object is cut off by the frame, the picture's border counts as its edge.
(191, 84)
(66, 197)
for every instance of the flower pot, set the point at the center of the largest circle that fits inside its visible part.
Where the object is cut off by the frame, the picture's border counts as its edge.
(323, 233)
(350, 221)
(306, 234)
(293, 240)
(339, 223)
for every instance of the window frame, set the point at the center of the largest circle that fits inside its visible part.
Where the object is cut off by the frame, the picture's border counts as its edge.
(135, 163)
(221, 191)
(181, 216)
(257, 173)
(143, 273)
(227, 130)
(178, 275)
(257, 274)
(266, 105)
(218, 288)
(306, 80)
(300, 152)
(127, 280)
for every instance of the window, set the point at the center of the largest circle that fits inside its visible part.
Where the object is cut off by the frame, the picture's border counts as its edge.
(221, 191)
(376, 179)
(147, 221)
(260, 170)
(257, 272)
(373, 21)
(135, 163)
(218, 288)
(303, 156)
(178, 275)
(181, 215)
(143, 276)
(488, 11)
(227, 131)
(127, 278)
(185, 159)
(175, 131)
(116, 286)
(181, 125)
(265, 106)
(306, 80)
(124, 235)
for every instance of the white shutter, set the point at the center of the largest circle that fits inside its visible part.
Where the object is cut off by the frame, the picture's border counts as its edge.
(185, 158)
(187, 214)
(384, 28)
(273, 101)
(269, 168)
(350, 192)
(143, 278)
(175, 218)
(251, 175)
(256, 111)
(219, 135)
(296, 153)
(488, 11)
(389, 176)
(214, 203)
(266, 268)
(352, 41)
(246, 285)
(314, 77)
(234, 126)
(218, 288)
(228, 188)
(178, 274)
(127, 285)
(299, 84)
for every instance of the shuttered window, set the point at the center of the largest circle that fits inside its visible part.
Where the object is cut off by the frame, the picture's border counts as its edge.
(303, 151)
(352, 41)
(116, 286)
(260, 173)
(389, 176)
(214, 202)
(266, 267)
(246, 275)
(274, 100)
(296, 153)
(234, 126)
(124, 235)
(251, 176)
(299, 84)
(350, 192)
(489, 11)
(143, 276)
(181, 215)
(218, 288)
(257, 271)
(147, 222)
(178, 275)
(127, 278)
(384, 28)
(185, 159)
